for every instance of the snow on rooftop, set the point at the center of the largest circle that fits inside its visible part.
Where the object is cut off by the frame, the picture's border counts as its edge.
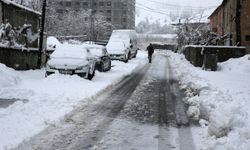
(21, 6)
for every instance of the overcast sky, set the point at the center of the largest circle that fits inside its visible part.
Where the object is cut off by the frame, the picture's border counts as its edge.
(159, 10)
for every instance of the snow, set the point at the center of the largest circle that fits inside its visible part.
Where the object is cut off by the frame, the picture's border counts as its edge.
(49, 99)
(161, 11)
(221, 98)
(70, 51)
(21, 6)
(52, 43)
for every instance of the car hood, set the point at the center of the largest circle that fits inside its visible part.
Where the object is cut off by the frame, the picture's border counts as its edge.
(111, 51)
(67, 63)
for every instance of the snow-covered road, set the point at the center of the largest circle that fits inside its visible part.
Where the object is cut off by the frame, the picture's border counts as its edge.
(142, 112)
(31, 102)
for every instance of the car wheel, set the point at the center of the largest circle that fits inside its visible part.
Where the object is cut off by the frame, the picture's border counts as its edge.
(101, 67)
(90, 76)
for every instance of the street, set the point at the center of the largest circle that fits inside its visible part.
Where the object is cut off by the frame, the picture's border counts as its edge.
(143, 111)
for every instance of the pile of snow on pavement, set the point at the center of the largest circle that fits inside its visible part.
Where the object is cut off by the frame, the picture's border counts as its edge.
(218, 100)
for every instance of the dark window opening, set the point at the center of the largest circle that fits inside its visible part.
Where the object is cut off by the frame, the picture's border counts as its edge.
(68, 4)
(247, 37)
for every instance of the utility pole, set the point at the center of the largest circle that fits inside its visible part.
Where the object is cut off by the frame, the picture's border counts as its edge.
(237, 22)
(39, 62)
(92, 21)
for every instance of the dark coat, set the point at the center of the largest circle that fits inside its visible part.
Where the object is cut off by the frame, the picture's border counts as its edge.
(150, 49)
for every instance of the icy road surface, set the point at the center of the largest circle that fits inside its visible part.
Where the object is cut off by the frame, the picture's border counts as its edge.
(143, 112)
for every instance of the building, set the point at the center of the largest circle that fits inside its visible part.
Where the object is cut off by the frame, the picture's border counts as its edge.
(18, 15)
(231, 18)
(216, 21)
(121, 13)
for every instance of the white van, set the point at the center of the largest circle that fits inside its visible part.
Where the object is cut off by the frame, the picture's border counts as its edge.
(122, 45)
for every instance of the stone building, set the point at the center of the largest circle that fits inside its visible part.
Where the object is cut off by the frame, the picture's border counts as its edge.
(231, 18)
(121, 13)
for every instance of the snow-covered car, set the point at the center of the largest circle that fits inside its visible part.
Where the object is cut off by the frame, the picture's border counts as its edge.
(71, 59)
(103, 61)
(122, 45)
(118, 51)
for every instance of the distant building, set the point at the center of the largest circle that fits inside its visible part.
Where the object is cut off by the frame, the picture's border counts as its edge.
(18, 15)
(121, 13)
(231, 18)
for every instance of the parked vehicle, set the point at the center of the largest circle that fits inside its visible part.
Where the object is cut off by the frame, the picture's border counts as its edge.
(122, 45)
(103, 61)
(71, 59)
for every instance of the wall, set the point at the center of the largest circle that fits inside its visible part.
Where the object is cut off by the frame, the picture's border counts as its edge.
(20, 59)
(245, 24)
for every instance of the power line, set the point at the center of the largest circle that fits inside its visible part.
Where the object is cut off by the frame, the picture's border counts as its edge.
(177, 6)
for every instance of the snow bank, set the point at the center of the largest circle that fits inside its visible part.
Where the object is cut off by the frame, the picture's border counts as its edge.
(220, 97)
(8, 77)
(49, 99)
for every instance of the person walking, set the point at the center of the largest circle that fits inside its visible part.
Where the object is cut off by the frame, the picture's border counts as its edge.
(150, 50)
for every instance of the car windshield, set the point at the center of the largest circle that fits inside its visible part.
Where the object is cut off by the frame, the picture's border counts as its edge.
(70, 51)
(116, 45)
(96, 50)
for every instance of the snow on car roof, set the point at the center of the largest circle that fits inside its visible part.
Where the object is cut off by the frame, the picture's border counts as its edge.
(70, 51)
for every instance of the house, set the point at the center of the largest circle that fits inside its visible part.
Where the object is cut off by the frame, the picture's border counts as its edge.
(19, 16)
(231, 18)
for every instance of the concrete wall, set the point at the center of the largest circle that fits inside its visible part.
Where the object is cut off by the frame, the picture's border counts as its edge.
(194, 53)
(20, 59)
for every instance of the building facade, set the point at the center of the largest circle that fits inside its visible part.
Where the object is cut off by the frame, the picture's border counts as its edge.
(231, 18)
(120, 13)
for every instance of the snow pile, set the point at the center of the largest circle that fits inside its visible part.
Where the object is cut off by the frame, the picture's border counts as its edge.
(49, 99)
(52, 43)
(222, 98)
(8, 78)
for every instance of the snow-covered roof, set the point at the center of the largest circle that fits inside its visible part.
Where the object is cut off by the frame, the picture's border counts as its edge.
(8, 2)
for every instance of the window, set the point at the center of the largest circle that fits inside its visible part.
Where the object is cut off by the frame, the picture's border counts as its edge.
(109, 19)
(124, 19)
(109, 3)
(77, 4)
(109, 11)
(101, 3)
(247, 37)
(61, 3)
(68, 4)
(60, 11)
(85, 4)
